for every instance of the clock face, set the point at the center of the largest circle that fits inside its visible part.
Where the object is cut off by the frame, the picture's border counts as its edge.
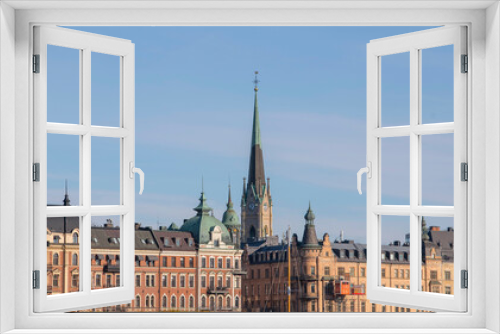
(251, 206)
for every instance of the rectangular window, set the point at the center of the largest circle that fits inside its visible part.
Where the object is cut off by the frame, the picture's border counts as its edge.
(434, 275)
(164, 281)
(191, 281)
(182, 262)
(191, 262)
(327, 271)
(203, 281)
(55, 280)
(183, 281)
(351, 272)
(363, 272)
(118, 280)
(148, 282)
(383, 272)
(138, 280)
(173, 281)
(313, 270)
(164, 261)
(98, 280)
(173, 261)
(447, 275)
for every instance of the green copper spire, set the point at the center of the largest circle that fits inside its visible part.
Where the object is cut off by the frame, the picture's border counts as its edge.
(256, 174)
(256, 123)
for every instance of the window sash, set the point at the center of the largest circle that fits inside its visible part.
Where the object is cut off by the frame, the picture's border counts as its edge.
(86, 43)
(413, 42)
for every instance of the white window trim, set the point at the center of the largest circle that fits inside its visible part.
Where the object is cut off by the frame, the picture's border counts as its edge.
(16, 126)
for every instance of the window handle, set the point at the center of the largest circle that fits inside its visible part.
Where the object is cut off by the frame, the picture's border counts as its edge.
(139, 171)
(368, 171)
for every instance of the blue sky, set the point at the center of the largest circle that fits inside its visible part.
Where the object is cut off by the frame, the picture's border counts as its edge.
(194, 105)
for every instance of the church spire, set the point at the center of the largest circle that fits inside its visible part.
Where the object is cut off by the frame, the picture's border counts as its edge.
(256, 175)
(66, 200)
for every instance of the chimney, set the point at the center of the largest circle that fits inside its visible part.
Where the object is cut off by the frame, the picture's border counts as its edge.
(109, 223)
(163, 228)
(137, 226)
(435, 228)
(397, 243)
(450, 229)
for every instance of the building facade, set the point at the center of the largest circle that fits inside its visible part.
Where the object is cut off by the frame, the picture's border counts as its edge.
(331, 276)
(192, 268)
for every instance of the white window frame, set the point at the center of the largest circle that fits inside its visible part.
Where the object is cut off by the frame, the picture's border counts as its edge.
(15, 163)
(413, 43)
(85, 43)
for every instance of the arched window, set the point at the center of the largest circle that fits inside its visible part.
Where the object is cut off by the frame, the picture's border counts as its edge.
(137, 301)
(236, 301)
(164, 301)
(203, 302)
(191, 302)
(220, 303)
(147, 301)
(74, 260)
(228, 301)
(173, 302)
(55, 259)
(212, 303)
(152, 301)
(75, 238)
(182, 302)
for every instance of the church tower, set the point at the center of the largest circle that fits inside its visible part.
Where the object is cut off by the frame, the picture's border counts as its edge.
(256, 202)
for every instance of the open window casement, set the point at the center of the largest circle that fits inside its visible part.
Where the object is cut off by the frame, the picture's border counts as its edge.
(68, 238)
(425, 291)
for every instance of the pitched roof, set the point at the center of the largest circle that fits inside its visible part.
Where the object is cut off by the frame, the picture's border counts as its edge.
(174, 240)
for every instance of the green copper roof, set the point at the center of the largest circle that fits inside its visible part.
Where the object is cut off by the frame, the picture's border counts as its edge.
(173, 227)
(203, 223)
(230, 217)
(309, 216)
(256, 123)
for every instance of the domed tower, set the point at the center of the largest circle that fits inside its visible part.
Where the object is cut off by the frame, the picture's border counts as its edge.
(256, 202)
(206, 229)
(231, 221)
(310, 240)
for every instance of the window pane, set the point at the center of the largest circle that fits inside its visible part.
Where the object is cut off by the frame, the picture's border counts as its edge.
(437, 169)
(105, 90)
(63, 165)
(105, 254)
(106, 171)
(63, 255)
(395, 259)
(395, 167)
(437, 254)
(437, 84)
(63, 85)
(395, 89)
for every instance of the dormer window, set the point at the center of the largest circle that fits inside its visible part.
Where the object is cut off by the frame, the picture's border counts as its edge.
(342, 253)
(177, 242)
(392, 257)
(383, 255)
(56, 239)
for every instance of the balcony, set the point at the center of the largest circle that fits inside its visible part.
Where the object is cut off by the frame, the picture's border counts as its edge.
(217, 290)
(239, 272)
(309, 295)
(112, 268)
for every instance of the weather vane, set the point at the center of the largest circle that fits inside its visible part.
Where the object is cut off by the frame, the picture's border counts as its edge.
(256, 80)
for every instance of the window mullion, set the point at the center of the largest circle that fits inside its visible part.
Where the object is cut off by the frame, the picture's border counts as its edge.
(415, 168)
(85, 168)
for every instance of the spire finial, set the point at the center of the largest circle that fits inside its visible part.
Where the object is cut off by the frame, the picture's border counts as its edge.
(202, 185)
(256, 81)
(66, 200)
